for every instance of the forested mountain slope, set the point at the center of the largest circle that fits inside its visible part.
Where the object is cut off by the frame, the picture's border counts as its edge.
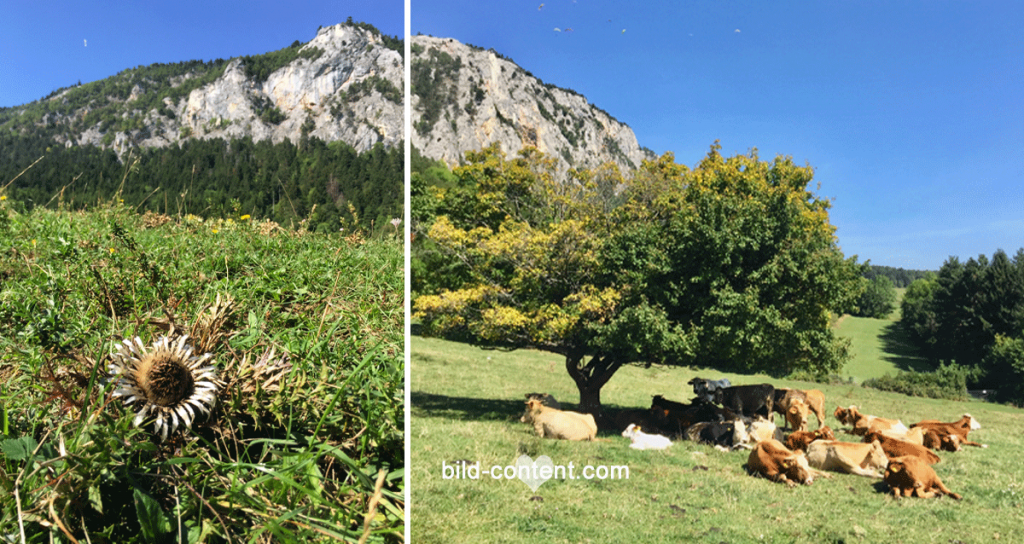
(344, 85)
(308, 136)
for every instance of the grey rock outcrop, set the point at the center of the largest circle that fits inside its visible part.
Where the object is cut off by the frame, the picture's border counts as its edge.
(346, 87)
(465, 98)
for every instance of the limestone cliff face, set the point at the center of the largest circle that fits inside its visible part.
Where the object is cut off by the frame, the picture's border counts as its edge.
(345, 85)
(465, 98)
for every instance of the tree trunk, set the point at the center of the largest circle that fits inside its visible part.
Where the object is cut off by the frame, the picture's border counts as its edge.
(590, 377)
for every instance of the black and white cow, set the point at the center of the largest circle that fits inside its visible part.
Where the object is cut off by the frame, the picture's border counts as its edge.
(705, 389)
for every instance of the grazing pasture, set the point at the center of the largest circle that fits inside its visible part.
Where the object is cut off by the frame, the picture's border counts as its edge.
(304, 332)
(466, 404)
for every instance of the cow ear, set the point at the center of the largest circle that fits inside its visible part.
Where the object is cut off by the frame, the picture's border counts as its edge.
(785, 463)
(895, 467)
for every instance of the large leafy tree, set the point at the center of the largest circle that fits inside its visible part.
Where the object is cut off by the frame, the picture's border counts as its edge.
(879, 298)
(732, 264)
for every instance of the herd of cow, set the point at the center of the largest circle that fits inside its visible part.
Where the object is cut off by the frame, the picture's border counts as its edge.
(731, 417)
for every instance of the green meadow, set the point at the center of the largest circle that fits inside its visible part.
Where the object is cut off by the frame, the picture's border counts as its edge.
(466, 404)
(878, 346)
(304, 442)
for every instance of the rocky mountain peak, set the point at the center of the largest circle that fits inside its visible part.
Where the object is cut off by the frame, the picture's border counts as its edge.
(466, 98)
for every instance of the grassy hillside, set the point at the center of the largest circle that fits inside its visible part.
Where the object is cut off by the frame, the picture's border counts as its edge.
(878, 346)
(465, 408)
(304, 331)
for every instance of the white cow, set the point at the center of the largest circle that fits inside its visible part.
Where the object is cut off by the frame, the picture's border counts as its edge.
(639, 440)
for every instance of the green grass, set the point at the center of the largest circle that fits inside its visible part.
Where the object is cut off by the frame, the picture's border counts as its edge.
(466, 403)
(297, 459)
(878, 346)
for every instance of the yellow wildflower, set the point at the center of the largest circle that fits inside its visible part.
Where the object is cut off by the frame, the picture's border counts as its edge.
(244, 217)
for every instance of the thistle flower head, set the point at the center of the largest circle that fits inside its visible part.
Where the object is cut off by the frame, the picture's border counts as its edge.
(165, 380)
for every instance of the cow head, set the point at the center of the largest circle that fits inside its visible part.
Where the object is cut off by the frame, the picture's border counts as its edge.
(739, 433)
(631, 431)
(842, 414)
(974, 422)
(824, 433)
(533, 407)
(797, 414)
(544, 398)
(876, 455)
(796, 468)
(950, 442)
(896, 474)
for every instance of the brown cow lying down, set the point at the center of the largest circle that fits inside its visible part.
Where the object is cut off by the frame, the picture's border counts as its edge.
(938, 440)
(900, 448)
(852, 458)
(799, 440)
(945, 431)
(911, 477)
(553, 423)
(777, 463)
(813, 399)
(863, 423)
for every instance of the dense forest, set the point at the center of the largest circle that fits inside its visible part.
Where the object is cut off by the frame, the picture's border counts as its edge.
(329, 186)
(971, 314)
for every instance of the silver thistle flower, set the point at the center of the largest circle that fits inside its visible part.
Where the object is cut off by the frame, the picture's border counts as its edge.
(167, 381)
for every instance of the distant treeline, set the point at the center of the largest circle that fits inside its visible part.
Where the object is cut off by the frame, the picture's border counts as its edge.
(314, 181)
(900, 277)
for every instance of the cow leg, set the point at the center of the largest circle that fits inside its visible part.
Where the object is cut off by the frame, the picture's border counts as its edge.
(942, 487)
(920, 493)
(780, 477)
(821, 417)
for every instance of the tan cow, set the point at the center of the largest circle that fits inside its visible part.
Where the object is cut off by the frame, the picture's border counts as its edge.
(777, 463)
(863, 423)
(912, 477)
(812, 398)
(553, 423)
(914, 436)
(852, 458)
(762, 429)
(796, 415)
(900, 448)
(799, 440)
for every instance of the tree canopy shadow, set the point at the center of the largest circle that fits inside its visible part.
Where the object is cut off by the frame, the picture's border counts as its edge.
(467, 408)
(901, 352)
(477, 409)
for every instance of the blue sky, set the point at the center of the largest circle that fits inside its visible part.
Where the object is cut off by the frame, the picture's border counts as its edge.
(46, 45)
(910, 111)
